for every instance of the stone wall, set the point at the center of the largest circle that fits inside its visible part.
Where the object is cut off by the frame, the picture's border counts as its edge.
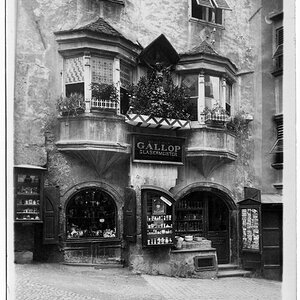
(38, 84)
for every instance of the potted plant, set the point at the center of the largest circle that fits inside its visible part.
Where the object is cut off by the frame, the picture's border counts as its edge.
(104, 96)
(158, 97)
(217, 116)
(71, 105)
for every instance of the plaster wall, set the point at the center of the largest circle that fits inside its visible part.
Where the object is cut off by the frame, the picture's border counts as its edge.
(38, 73)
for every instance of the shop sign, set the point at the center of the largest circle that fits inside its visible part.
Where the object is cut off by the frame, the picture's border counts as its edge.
(158, 149)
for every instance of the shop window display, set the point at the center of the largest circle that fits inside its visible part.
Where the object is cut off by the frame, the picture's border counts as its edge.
(91, 213)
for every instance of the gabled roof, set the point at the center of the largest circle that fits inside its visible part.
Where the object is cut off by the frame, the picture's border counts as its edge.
(159, 50)
(100, 26)
(204, 48)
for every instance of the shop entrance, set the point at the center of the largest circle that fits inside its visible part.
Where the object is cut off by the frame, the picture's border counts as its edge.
(92, 228)
(205, 214)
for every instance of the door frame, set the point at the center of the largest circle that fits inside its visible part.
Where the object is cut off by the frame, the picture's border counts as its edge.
(227, 196)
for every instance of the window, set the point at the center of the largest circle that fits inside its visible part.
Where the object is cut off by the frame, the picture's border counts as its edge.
(190, 82)
(207, 91)
(209, 10)
(126, 74)
(74, 76)
(91, 213)
(278, 54)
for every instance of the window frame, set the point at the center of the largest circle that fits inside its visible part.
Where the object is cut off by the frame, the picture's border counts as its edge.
(207, 10)
(88, 77)
(224, 84)
(86, 238)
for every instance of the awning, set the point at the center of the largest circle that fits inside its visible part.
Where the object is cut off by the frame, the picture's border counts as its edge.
(279, 51)
(222, 4)
(206, 3)
(277, 147)
(271, 199)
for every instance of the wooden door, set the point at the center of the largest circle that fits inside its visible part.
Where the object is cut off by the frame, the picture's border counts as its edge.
(272, 241)
(218, 227)
(50, 226)
(205, 214)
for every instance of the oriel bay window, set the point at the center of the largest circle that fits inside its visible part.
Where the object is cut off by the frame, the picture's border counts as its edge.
(207, 91)
(99, 79)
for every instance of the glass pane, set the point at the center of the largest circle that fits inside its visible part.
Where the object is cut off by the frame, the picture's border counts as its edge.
(125, 75)
(102, 70)
(212, 87)
(190, 82)
(91, 213)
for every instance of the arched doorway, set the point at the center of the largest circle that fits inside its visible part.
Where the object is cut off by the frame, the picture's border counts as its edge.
(207, 214)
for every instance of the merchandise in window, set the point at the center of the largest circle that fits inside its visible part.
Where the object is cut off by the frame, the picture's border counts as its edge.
(91, 213)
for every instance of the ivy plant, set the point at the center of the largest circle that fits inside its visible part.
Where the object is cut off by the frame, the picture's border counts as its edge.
(159, 97)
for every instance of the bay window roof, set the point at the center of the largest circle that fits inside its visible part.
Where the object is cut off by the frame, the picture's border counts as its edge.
(96, 35)
(204, 57)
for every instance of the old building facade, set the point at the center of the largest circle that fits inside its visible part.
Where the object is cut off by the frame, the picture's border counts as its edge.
(117, 183)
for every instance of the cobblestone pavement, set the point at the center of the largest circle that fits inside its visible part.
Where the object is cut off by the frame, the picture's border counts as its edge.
(235, 288)
(54, 281)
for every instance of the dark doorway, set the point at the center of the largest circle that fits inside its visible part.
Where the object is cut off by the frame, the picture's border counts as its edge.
(205, 214)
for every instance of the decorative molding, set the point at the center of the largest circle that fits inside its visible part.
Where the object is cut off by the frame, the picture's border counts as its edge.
(156, 122)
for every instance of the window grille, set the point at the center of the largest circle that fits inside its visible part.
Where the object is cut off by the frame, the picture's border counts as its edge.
(74, 70)
(102, 70)
(125, 75)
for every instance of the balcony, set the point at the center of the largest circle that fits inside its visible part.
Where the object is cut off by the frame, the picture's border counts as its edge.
(99, 138)
(208, 148)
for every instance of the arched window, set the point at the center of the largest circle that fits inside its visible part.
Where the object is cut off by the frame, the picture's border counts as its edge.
(91, 213)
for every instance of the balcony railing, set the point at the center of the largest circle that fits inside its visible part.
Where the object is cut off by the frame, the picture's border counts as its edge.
(103, 104)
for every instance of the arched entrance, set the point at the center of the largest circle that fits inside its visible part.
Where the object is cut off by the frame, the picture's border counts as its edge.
(206, 212)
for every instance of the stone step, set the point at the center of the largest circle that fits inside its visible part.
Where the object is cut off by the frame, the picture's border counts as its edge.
(233, 273)
(108, 265)
(227, 267)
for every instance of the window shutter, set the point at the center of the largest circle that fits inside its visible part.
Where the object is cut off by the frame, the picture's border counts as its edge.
(50, 210)
(130, 215)
(222, 4)
(206, 3)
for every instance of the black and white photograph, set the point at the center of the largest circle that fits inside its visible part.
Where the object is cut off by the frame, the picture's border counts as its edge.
(150, 150)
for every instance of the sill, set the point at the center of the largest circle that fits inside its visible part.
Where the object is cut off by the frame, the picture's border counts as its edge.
(277, 72)
(278, 186)
(116, 1)
(92, 240)
(206, 23)
(277, 166)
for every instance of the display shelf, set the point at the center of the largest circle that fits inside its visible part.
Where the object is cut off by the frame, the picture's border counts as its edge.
(28, 194)
(189, 217)
(157, 219)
